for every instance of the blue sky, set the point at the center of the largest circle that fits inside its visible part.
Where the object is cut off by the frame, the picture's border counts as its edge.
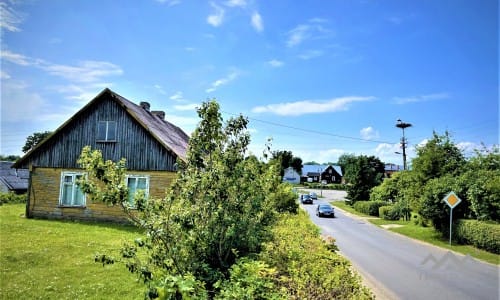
(322, 78)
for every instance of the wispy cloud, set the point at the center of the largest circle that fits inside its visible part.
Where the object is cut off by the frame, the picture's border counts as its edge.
(275, 63)
(421, 98)
(177, 96)
(169, 2)
(313, 29)
(4, 75)
(368, 133)
(216, 18)
(236, 3)
(222, 81)
(159, 88)
(10, 19)
(83, 71)
(310, 106)
(257, 22)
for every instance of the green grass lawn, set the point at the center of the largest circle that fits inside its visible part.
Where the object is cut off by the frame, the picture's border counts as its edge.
(48, 259)
(425, 234)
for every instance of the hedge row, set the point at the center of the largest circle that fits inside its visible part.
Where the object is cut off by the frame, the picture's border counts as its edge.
(330, 186)
(389, 212)
(481, 234)
(369, 207)
(12, 198)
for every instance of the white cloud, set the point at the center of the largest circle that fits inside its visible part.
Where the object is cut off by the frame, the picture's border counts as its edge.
(421, 98)
(313, 29)
(16, 58)
(310, 106)
(177, 96)
(275, 63)
(192, 107)
(216, 18)
(159, 88)
(4, 75)
(84, 71)
(169, 2)
(257, 22)
(10, 19)
(369, 133)
(236, 3)
(223, 81)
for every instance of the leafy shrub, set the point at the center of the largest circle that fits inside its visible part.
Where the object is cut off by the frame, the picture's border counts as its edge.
(249, 279)
(11, 197)
(435, 209)
(369, 207)
(389, 212)
(478, 233)
(483, 193)
(307, 266)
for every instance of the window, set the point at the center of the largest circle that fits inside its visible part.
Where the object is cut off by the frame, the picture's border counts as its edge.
(136, 183)
(70, 194)
(106, 131)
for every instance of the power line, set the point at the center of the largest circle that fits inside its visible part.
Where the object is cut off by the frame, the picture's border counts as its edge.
(313, 131)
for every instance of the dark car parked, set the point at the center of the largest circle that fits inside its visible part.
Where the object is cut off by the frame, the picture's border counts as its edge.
(325, 210)
(306, 199)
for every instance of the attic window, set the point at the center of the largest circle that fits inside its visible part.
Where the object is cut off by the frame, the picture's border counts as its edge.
(106, 131)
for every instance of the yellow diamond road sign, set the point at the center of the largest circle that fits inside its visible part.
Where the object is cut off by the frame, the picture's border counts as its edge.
(452, 200)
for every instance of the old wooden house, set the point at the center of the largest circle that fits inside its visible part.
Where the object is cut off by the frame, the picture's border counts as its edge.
(321, 173)
(117, 127)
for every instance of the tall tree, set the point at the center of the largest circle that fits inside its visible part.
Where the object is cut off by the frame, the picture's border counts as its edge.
(362, 173)
(287, 160)
(219, 208)
(35, 139)
(437, 158)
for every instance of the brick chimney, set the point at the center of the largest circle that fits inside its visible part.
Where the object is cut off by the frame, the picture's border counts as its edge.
(159, 113)
(145, 105)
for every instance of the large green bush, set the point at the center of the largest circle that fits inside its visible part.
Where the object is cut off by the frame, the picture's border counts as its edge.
(369, 207)
(389, 212)
(435, 209)
(478, 233)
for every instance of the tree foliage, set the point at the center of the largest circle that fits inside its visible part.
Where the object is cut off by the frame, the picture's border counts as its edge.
(218, 209)
(438, 157)
(35, 139)
(286, 160)
(9, 157)
(362, 173)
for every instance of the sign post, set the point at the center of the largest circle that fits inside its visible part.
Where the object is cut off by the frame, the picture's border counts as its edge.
(452, 200)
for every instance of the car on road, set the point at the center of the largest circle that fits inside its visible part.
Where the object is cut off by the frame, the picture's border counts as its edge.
(313, 195)
(306, 199)
(325, 210)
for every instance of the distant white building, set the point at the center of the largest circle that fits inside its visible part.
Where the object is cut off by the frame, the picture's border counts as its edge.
(291, 176)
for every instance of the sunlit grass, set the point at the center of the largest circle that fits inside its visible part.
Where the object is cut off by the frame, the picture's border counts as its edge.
(426, 234)
(48, 259)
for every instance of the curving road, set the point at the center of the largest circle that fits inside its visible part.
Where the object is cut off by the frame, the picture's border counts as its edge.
(396, 267)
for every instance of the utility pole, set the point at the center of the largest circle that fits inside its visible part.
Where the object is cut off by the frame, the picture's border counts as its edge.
(403, 125)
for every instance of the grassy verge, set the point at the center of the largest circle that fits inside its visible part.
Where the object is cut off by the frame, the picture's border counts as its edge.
(42, 259)
(425, 234)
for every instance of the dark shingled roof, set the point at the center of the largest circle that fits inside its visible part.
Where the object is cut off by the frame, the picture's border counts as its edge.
(166, 133)
(15, 180)
(169, 135)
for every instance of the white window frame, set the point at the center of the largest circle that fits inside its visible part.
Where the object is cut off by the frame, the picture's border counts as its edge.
(74, 189)
(137, 177)
(107, 131)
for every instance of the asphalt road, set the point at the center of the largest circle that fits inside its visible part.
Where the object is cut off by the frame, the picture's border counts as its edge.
(396, 267)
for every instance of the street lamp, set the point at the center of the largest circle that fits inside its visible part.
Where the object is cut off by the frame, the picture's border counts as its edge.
(403, 125)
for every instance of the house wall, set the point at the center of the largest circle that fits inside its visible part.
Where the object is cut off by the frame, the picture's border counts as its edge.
(45, 189)
(134, 143)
